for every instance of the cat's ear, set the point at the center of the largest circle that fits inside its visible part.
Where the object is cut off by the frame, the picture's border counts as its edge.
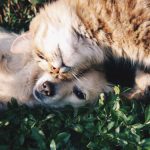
(22, 43)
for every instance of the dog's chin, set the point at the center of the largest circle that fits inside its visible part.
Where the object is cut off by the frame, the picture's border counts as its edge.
(38, 96)
(45, 101)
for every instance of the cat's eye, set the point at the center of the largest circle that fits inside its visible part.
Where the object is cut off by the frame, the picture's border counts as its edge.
(40, 56)
(78, 92)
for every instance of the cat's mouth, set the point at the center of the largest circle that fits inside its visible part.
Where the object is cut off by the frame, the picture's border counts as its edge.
(74, 74)
(62, 73)
(62, 76)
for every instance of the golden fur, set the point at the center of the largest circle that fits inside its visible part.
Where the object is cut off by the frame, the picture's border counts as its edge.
(85, 32)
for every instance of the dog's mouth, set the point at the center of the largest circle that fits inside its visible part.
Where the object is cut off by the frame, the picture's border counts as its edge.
(39, 96)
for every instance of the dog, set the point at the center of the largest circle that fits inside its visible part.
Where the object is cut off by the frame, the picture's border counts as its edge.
(22, 78)
(18, 73)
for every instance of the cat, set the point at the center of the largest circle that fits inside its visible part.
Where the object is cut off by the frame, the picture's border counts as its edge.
(21, 78)
(86, 32)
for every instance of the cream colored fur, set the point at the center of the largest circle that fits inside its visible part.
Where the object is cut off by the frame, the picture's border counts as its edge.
(20, 75)
(91, 84)
(85, 32)
(17, 72)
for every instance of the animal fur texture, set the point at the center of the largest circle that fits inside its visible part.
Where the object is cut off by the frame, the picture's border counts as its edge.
(17, 72)
(86, 32)
(21, 78)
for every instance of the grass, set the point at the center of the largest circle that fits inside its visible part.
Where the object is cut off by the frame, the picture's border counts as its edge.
(113, 124)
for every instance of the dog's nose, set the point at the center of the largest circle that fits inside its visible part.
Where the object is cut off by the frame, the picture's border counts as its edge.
(48, 89)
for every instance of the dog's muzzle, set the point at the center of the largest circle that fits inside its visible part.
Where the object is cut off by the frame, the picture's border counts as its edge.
(47, 89)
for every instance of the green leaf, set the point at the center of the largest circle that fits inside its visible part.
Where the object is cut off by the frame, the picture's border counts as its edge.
(78, 128)
(138, 126)
(15, 1)
(110, 125)
(116, 106)
(147, 114)
(34, 2)
(117, 90)
(64, 136)
(36, 134)
(146, 144)
(102, 98)
(91, 145)
(4, 147)
(48, 117)
(52, 145)
(21, 139)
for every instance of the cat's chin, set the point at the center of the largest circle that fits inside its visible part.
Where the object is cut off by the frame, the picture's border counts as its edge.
(58, 77)
(64, 77)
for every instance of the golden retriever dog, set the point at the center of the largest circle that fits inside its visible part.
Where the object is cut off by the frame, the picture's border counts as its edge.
(21, 78)
(85, 32)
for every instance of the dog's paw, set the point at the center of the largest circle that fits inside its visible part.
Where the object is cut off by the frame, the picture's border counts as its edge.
(4, 63)
(2, 57)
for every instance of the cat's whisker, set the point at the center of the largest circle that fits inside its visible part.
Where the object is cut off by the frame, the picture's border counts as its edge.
(75, 76)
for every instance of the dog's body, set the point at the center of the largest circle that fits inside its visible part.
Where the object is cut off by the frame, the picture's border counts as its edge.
(20, 76)
(86, 31)
(17, 72)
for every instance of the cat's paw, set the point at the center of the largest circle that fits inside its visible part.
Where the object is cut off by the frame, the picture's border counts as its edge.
(134, 94)
(141, 89)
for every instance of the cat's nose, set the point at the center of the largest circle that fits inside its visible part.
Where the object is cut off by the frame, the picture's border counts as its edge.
(65, 69)
(59, 67)
(62, 69)
(48, 89)
(55, 70)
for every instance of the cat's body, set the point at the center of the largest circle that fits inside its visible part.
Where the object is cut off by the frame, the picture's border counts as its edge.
(123, 26)
(85, 32)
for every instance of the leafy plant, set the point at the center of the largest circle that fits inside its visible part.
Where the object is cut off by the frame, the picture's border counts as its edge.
(111, 124)
(16, 14)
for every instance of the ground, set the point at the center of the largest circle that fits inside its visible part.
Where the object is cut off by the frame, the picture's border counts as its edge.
(112, 123)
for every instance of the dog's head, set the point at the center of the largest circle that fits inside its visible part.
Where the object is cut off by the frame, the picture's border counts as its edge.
(78, 92)
(59, 41)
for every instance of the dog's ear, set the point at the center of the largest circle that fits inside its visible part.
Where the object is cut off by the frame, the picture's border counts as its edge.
(22, 43)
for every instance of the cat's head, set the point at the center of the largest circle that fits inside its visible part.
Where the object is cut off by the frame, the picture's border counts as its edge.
(84, 90)
(60, 43)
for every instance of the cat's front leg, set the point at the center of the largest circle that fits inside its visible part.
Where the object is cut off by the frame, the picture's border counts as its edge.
(142, 85)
